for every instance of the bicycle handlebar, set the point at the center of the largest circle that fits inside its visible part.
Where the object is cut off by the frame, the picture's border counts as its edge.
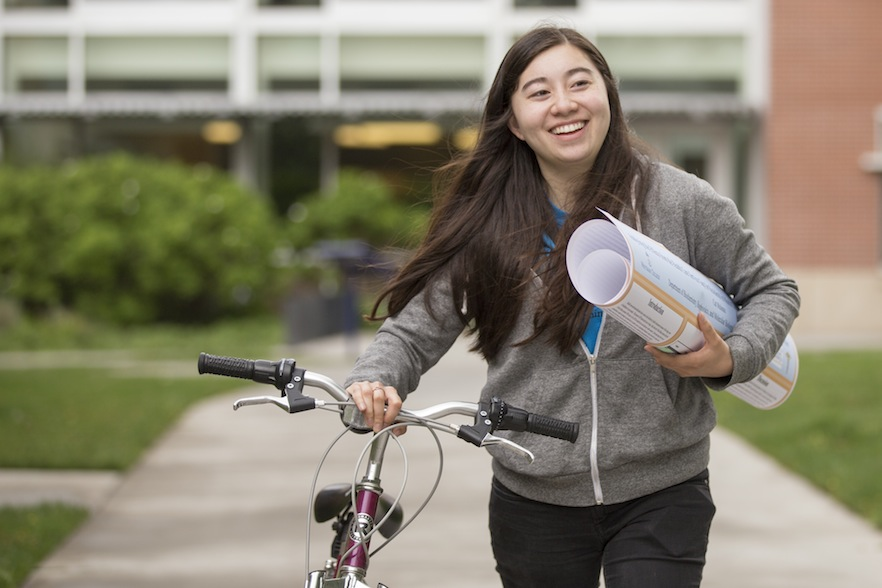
(278, 373)
(284, 375)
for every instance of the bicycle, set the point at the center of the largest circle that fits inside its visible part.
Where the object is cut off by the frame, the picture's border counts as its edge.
(361, 509)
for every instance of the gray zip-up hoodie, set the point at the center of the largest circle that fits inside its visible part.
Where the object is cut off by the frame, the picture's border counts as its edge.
(642, 428)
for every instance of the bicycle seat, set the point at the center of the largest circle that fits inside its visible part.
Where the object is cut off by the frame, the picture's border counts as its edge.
(334, 499)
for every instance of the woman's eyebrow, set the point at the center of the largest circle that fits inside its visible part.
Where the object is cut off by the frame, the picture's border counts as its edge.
(570, 73)
(529, 83)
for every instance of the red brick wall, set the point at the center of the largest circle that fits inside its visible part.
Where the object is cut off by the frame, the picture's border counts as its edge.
(826, 81)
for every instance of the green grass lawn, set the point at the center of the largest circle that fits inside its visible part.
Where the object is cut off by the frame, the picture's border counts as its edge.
(27, 535)
(104, 418)
(245, 337)
(828, 430)
(99, 418)
(89, 419)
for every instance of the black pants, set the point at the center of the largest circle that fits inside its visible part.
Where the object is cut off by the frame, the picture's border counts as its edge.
(657, 541)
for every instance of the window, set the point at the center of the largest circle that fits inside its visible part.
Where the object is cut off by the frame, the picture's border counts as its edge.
(635, 83)
(178, 139)
(871, 162)
(694, 163)
(35, 64)
(544, 3)
(675, 64)
(37, 3)
(411, 63)
(29, 141)
(289, 3)
(140, 64)
(288, 63)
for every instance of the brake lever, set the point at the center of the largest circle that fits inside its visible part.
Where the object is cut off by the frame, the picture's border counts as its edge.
(289, 404)
(254, 400)
(489, 440)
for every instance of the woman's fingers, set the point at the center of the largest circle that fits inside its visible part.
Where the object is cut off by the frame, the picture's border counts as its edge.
(378, 403)
(713, 360)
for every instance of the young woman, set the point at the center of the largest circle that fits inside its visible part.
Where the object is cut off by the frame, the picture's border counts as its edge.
(631, 496)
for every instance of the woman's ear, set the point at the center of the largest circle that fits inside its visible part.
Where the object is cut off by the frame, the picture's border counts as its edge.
(514, 128)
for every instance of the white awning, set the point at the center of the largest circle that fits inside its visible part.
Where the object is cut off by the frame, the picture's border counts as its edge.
(348, 104)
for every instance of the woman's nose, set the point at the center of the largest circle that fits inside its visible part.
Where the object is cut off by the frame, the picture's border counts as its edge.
(563, 103)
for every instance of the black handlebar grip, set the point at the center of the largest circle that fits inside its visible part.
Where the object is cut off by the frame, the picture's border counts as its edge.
(233, 367)
(278, 373)
(551, 427)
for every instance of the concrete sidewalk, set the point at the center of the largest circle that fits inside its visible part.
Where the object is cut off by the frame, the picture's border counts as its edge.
(220, 501)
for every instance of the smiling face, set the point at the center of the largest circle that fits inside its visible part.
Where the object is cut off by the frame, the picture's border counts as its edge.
(560, 108)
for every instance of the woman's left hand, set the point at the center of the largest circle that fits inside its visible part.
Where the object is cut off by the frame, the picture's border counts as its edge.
(714, 360)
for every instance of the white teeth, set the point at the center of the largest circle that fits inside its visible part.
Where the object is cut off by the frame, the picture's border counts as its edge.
(570, 128)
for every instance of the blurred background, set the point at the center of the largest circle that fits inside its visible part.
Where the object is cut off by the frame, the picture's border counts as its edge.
(240, 176)
(777, 103)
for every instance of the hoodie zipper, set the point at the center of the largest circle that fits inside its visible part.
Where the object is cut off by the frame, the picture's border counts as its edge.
(592, 450)
(592, 362)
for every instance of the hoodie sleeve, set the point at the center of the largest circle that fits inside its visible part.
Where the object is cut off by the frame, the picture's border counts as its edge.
(725, 250)
(408, 344)
(705, 229)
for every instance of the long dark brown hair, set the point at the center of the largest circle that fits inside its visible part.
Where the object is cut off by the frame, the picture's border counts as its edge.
(492, 210)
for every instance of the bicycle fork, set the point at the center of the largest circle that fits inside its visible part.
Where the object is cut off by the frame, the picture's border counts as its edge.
(352, 562)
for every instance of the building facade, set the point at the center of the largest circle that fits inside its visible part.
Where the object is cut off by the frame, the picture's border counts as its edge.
(285, 92)
(823, 171)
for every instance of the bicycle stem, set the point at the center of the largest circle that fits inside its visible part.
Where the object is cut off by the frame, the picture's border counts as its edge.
(354, 560)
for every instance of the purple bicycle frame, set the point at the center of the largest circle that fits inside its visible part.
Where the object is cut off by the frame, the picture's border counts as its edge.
(367, 497)
(357, 547)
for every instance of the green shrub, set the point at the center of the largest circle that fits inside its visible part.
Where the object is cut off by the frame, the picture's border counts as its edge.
(130, 240)
(360, 207)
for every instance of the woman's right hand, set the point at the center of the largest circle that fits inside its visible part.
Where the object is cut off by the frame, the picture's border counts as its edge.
(378, 403)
